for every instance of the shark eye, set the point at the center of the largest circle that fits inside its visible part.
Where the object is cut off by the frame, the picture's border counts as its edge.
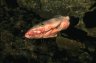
(42, 24)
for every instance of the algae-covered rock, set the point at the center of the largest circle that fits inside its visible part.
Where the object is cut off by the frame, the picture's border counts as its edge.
(49, 8)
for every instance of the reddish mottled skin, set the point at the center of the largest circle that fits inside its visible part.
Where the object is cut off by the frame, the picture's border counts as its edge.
(50, 28)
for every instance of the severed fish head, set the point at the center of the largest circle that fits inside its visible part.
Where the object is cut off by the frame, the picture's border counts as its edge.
(49, 28)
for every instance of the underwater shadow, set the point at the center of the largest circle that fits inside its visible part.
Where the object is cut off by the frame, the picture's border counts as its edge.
(89, 18)
(77, 34)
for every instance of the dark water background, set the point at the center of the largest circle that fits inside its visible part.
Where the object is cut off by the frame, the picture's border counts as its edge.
(74, 45)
